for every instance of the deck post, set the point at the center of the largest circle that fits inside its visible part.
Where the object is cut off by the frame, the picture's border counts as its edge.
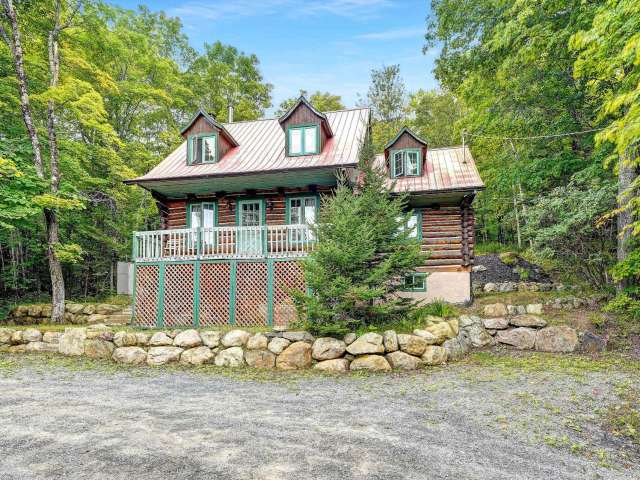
(232, 292)
(270, 271)
(196, 294)
(160, 304)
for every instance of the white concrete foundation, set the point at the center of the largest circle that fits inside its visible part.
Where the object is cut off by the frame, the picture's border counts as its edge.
(452, 287)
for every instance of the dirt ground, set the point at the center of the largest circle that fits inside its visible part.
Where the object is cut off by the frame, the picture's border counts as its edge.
(492, 416)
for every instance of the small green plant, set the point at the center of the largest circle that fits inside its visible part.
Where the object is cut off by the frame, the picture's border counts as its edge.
(508, 258)
(436, 308)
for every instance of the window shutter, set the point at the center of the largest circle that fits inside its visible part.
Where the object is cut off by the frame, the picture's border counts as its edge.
(190, 150)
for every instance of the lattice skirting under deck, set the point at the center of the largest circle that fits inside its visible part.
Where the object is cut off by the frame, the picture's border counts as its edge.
(210, 293)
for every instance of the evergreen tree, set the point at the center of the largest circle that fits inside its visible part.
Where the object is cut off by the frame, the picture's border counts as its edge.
(363, 254)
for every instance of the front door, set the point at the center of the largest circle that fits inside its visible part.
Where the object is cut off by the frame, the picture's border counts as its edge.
(250, 221)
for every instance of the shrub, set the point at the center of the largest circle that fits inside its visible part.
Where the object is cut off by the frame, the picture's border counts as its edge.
(363, 254)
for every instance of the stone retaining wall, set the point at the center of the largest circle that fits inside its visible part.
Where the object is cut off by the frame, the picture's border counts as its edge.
(440, 341)
(74, 313)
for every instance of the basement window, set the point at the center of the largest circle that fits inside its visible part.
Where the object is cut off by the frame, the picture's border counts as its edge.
(303, 140)
(416, 282)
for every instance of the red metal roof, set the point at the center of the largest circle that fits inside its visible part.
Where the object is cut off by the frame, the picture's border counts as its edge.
(446, 169)
(261, 149)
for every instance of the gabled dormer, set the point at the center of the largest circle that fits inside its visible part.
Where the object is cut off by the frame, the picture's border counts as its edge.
(207, 139)
(306, 129)
(405, 154)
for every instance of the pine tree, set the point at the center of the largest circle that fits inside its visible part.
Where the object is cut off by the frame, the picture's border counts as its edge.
(363, 254)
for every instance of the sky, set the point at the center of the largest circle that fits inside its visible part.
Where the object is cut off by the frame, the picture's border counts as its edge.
(327, 45)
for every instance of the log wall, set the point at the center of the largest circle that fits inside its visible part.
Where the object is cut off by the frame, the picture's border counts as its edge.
(447, 231)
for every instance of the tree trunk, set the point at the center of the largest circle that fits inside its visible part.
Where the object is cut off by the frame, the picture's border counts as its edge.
(626, 175)
(51, 221)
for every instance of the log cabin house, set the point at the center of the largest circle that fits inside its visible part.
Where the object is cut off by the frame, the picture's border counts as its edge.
(236, 199)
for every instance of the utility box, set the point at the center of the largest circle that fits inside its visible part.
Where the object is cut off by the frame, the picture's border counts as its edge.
(124, 284)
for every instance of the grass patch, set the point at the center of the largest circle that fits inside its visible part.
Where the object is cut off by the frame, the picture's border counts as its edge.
(623, 418)
(486, 248)
(545, 362)
(56, 327)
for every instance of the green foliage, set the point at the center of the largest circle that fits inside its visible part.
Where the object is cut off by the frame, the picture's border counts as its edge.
(322, 101)
(436, 308)
(128, 81)
(362, 256)
(562, 226)
(625, 304)
(435, 116)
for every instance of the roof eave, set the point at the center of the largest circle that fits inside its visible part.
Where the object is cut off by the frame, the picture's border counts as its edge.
(408, 131)
(213, 122)
(303, 100)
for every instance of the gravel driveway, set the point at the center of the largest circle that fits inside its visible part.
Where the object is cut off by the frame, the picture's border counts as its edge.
(63, 420)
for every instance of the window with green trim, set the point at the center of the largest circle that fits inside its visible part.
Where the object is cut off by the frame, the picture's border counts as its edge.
(302, 211)
(416, 282)
(203, 148)
(203, 215)
(414, 225)
(303, 140)
(406, 163)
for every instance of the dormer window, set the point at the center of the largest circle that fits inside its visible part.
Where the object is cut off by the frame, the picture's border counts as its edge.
(303, 140)
(203, 148)
(405, 163)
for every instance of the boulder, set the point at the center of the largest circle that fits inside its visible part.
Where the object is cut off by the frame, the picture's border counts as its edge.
(96, 318)
(35, 310)
(435, 355)
(498, 323)
(196, 356)
(528, 321)
(50, 337)
(125, 339)
(31, 335)
(260, 358)
(512, 310)
(390, 341)
(327, 348)
(142, 339)
(95, 331)
(72, 341)
(535, 308)
(412, 344)
(40, 347)
(235, 338)
(210, 338)
(257, 342)
(368, 343)
(295, 356)
(522, 338)
(16, 337)
(98, 349)
(163, 355)
(335, 365)
(278, 344)
(455, 325)
(5, 335)
(489, 287)
(372, 363)
(129, 355)
(187, 339)
(457, 347)
(106, 309)
(160, 339)
(426, 335)
(300, 336)
(18, 348)
(349, 338)
(495, 310)
(89, 309)
(230, 357)
(479, 268)
(560, 338)
(441, 331)
(478, 336)
(403, 361)
(592, 343)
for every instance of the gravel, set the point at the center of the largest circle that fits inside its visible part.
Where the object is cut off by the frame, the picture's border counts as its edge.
(499, 272)
(457, 422)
